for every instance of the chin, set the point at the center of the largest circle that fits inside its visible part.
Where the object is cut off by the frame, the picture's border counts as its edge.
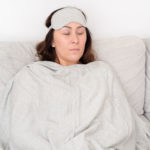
(74, 60)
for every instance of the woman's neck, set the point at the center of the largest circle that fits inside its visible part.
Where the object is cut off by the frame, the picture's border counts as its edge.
(66, 63)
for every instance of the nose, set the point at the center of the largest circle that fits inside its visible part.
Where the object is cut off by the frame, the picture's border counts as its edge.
(74, 38)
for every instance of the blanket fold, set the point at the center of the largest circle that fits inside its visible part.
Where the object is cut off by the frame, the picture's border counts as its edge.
(47, 106)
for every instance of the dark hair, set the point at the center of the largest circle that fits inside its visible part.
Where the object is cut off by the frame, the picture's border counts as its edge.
(46, 52)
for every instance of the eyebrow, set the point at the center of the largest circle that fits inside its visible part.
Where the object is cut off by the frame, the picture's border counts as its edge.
(71, 27)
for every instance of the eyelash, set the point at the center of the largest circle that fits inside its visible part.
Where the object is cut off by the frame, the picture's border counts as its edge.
(69, 33)
(65, 33)
(80, 33)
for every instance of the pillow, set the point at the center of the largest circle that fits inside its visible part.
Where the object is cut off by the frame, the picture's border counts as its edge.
(147, 87)
(127, 56)
(13, 56)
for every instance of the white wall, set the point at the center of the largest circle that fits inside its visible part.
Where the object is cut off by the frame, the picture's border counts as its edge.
(23, 20)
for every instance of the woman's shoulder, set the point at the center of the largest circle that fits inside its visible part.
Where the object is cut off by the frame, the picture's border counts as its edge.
(29, 66)
(37, 68)
(101, 66)
(24, 71)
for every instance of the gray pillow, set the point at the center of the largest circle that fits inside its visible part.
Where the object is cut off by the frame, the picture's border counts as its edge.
(13, 56)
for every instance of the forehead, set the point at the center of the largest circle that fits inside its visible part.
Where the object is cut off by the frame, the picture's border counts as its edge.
(73, 25)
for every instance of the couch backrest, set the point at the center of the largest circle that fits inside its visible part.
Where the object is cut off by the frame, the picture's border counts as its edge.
(125, 54)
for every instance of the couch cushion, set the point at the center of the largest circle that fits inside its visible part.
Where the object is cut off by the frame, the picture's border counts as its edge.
(147, 89)
(13, 56)
(127, 56)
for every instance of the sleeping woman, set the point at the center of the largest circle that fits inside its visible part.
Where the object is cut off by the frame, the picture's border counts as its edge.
(68, 100)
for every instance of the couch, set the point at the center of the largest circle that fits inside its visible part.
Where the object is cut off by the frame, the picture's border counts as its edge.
(128, 55)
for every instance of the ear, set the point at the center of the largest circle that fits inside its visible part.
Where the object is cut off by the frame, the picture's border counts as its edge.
(53, 44)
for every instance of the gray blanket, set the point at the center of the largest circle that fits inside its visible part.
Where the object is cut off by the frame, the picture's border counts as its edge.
(47, 106)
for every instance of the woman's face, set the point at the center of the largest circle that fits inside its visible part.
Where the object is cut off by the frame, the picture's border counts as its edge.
(69, 43)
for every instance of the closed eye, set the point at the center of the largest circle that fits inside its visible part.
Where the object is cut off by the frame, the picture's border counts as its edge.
(66, 33)
(80, 33)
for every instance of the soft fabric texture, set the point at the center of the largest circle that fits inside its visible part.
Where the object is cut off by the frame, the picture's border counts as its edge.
(89, 112)
(14, 56)
(66, 15)
(127, 56)
(147, 89)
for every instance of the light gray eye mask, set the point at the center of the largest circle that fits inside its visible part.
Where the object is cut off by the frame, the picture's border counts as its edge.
(66, 15)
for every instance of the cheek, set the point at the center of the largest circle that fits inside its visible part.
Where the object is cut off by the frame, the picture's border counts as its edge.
(61, 46)
(61, 42)
(83, 41)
